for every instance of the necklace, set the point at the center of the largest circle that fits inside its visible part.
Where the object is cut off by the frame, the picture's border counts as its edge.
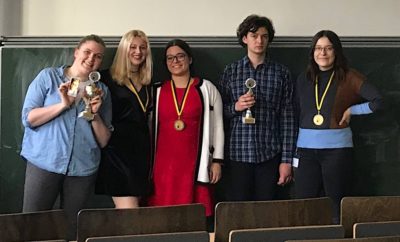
(133, 89)
(179, 125)
(318, 118)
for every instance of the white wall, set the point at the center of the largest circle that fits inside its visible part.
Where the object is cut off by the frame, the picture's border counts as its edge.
(2, 18)
(206, 17)
(10, 18)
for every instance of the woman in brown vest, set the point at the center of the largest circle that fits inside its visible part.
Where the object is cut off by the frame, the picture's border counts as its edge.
(329, 93)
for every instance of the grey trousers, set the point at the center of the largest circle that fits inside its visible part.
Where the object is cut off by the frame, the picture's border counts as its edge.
(43, 187)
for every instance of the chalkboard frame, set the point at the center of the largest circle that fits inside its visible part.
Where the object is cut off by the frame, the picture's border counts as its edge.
(376, 137)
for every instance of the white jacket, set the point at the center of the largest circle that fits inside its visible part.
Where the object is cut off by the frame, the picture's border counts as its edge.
(211, 143)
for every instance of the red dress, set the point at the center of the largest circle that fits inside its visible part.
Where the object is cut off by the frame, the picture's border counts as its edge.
(175, 164)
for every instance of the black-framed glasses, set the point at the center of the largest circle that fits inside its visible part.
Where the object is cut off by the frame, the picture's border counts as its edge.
(179, 57)
(327, 49)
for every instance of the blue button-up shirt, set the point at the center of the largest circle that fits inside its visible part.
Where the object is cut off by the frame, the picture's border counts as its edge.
(66, 144)
(275, 129)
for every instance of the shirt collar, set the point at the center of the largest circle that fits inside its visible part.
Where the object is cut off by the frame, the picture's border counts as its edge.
(60, 72)
(246, 60)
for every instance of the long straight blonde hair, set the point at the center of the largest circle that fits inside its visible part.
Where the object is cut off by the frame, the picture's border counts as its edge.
(121, 67)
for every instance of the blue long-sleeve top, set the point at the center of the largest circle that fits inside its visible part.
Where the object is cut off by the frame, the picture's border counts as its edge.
(65, 144)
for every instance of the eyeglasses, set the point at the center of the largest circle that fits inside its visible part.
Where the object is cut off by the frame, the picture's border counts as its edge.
(179, 57)
(327, 49)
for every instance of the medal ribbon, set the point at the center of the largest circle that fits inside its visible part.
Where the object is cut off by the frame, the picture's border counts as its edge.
(319, 104)
(133, 89)
(179, 109)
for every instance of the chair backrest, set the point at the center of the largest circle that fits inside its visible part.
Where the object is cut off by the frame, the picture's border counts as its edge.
(267, 214)
(285, 233)
(44, 225)
(375, 239)
(143, 220)
(198, 236)
(58, 240)
(368, 209)
(376, 229)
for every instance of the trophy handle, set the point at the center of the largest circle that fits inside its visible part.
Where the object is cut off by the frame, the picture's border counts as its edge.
(248, 118)
(94, 76)
(250, 83)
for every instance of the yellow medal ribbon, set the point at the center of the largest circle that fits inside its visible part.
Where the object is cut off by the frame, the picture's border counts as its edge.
(133, 89)
(180, 110)
(318, 118)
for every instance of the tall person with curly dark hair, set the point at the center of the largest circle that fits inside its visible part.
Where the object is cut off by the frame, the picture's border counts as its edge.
(257, 93)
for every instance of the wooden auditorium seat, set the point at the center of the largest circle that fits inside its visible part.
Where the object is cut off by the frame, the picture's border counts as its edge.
(368, 209)
(142, 220)
(376, 229)
(199, 236)
(267, 214)
(375, 239)
(285, 233)
(33, 226)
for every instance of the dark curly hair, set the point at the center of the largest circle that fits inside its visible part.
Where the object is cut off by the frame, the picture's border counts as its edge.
(251, 24)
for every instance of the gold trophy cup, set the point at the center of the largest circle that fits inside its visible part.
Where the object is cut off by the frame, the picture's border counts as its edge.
(248, 118)
(91, 90)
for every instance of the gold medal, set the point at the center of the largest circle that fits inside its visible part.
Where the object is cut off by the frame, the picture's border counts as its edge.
(179, 125)
(318, 119)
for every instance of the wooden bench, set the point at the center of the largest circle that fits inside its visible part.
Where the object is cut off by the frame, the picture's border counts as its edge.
(376, 229)
(285, 233)
(267, 214)
(143, 220)
(200, 236)
(368, 209)
(33, 226)
(375, 239)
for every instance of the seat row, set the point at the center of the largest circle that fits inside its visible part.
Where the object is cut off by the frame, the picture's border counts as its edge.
(268, 221)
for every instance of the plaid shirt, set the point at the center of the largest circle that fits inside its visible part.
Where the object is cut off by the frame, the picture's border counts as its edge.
(275, 130)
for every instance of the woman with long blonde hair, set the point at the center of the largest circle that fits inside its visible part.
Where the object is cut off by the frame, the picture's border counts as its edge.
(124, 169)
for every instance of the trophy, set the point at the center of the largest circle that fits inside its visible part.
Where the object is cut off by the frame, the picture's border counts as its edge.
(248, 117)
(74, 87)
(91, 90)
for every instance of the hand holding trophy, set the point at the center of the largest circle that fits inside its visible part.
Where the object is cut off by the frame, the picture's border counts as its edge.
(91, 91)
(248, 118)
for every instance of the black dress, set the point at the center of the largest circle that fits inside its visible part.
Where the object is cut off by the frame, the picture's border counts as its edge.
(125, 161)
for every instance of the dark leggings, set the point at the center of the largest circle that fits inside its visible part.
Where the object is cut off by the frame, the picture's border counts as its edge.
(42, 189)
(324, 172)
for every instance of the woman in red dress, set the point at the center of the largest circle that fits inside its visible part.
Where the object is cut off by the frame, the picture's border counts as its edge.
(189, 137)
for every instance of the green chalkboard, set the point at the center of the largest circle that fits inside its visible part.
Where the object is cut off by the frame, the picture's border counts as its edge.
(376, 136)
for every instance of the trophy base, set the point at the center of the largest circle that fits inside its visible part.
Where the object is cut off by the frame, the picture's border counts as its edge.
(248, 120)
(86, 115)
